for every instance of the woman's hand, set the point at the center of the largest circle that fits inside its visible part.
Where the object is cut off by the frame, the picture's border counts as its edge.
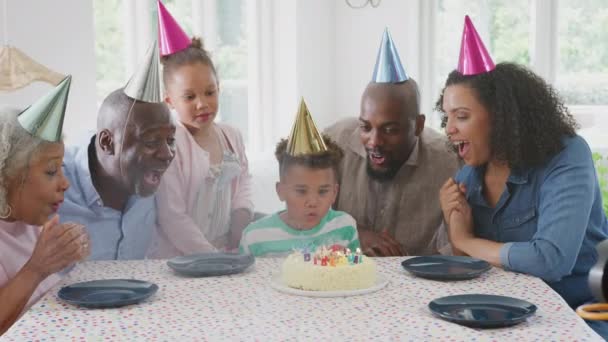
(451, 195)
(462, 237)
(460, 225)
(58, 246)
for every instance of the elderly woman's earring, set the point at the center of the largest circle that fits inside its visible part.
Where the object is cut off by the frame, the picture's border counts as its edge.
(9, 210)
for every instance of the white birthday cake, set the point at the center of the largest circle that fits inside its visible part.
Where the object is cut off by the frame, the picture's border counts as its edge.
(328, 269)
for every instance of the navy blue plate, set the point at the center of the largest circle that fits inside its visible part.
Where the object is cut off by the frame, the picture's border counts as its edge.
(211, 264)
(445, 267)
(482, 311)
(107, 293)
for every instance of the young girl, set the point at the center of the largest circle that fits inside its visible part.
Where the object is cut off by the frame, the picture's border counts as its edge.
(204, 201)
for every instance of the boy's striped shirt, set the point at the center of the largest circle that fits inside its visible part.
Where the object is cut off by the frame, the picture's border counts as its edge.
(271, 236)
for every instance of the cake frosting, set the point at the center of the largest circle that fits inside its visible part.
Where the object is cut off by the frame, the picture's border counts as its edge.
(328, 269)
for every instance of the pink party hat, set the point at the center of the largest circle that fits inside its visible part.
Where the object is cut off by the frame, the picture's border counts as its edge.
(474, 58)
(171, 37)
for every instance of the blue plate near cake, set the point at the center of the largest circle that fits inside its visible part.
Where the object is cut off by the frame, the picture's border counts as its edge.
(107, 293)
(211, 264)
(482, 310)
(446, 267)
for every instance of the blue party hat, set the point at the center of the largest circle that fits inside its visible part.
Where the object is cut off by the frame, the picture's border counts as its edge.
(388, 67)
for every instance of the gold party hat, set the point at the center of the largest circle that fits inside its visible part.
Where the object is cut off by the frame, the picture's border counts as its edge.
(305, 137)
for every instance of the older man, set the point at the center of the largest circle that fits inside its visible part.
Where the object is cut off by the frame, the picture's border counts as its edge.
(393, 168)
(114, 177)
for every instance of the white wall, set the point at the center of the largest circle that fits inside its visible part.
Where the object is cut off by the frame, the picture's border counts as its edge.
(335, 53)
(285, 74)
(358, 33)
(58, 34)
(303, 63)
(325, 52)
(315, 58)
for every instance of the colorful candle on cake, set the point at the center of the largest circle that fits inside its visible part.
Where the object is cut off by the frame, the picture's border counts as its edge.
(306, 254)
(332, 260)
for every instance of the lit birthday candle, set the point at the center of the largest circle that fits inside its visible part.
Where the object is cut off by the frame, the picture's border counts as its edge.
(306, 254)
(349, 256)
(359, 256)
(332, 260)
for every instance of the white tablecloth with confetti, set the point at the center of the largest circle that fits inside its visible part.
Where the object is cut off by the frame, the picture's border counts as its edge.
(245, 307)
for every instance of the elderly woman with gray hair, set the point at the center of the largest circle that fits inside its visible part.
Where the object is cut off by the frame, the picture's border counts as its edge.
(33, 245)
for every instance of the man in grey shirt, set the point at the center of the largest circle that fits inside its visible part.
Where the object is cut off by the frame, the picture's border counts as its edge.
(393, 168)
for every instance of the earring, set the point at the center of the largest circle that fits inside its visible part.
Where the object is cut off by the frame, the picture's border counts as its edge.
(9, 211)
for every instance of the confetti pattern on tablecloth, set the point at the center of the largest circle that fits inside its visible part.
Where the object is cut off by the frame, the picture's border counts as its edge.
(244, 307)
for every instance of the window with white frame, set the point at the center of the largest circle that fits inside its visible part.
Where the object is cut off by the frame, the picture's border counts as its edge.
(506, 24)
(122, 37)
(566, 42)
(581, 73)
(110, 49)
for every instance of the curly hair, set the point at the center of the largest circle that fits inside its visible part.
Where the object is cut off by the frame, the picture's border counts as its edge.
(16, 150)
(195, 53)
(323, 160)
(528, 118)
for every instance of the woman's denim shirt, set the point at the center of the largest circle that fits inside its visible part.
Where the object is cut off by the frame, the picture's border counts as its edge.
(550, 219)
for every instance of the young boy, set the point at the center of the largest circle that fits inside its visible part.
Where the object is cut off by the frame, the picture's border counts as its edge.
(308, 185)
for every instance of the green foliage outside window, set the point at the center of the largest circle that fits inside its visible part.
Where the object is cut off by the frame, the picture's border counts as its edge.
(601, 166)
(582, 75)
(109, 46)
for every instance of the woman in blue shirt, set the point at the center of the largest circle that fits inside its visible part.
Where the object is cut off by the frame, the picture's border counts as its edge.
(528, 198)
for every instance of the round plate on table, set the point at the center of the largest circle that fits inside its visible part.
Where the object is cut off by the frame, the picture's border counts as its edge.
(211, 264)
(107, 293)
(481, 310)
(446, 267)
(278, 285)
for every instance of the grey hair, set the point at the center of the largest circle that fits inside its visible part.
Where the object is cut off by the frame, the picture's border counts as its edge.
(17, 146)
